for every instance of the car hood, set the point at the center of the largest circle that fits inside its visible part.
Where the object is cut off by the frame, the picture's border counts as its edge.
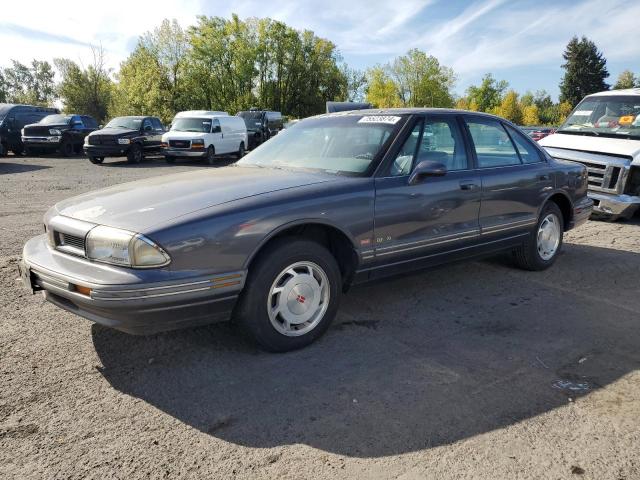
(114, 131)
(174, 135)
(604, 145)
(139, 205)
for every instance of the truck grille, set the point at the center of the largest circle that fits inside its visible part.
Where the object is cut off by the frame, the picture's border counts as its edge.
(180, 143)
(70, 243)
(602, 177)
(101, 140)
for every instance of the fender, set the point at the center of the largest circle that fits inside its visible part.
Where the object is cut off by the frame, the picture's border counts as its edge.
(304, 221)
(550, 194)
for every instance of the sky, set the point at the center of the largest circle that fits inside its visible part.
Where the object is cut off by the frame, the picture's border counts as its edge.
(520, 41)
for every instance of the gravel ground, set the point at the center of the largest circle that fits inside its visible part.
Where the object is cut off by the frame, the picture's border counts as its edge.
(476, 370)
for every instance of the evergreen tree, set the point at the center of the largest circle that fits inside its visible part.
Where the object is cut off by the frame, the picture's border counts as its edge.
(585, 71)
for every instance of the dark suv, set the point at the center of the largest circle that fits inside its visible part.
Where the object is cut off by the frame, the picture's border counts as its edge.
(131, 137)
(62, 133)
(261, 125)
(12, 119)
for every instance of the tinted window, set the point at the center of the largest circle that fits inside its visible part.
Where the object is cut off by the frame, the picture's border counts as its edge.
(89, 122)
(492, 144)
(146, 125)
(528, 153)
(215, 126)
(157, 124)
(131, 123)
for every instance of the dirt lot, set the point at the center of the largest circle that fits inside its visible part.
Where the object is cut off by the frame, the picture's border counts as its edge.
(475, 370)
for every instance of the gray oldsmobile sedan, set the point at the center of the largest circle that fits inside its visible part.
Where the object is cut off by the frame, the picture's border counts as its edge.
(273, 241)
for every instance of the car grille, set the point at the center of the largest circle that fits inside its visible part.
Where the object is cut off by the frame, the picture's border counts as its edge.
(603, 177)
(180, 143)
(101, 140)
(70, 243)
(38, 131)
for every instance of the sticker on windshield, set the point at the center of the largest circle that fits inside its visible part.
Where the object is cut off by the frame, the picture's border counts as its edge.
(583, 113)
(390, 119)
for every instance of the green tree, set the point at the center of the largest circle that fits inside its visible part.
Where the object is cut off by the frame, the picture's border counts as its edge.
(85, 90)
(488, 95)
(530, 115)
(421, 80)
(355, 81)
(3, 88)
(32, 84)
(381, 91)
(626, 80)
(585, 71)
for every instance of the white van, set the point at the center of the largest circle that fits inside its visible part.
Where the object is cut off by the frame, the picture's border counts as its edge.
(603, 133)
(204, 134)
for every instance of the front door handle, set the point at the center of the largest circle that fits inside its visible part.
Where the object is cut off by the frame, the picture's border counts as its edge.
(468, 186)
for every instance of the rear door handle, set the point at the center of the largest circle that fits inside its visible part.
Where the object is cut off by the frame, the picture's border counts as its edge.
(468, 186)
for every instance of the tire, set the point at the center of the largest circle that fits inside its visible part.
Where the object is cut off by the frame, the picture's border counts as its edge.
(66, 148)
(18, 150)
(270, 271)
(170, 159)
(211, 155)
(28, 151)
(537, 254)
(135, 154)
(96, 160)
(241, 152)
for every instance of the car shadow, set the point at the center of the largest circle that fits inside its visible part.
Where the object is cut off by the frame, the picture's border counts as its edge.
(8, 167)
(411, 363)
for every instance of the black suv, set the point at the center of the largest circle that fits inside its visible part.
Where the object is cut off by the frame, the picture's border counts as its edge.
(12, 119)
(131, 137)
(261, 125)
(62, 133)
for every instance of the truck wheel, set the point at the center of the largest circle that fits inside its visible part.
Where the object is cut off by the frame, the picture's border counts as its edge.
(96, 160)
(66, 148)
(240, 153)
(170, 159)
(211, 155)
(135, 154)
(18, 150)
(541, 248)
(291, 295)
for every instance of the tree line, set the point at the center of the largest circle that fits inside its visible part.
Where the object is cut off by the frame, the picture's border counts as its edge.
(233, 64)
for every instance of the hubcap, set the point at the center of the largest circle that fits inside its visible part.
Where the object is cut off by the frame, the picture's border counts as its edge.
(298, 299)
(548, 237)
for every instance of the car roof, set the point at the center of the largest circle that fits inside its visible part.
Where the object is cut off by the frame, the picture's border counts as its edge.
(627, 91)
(410, 111)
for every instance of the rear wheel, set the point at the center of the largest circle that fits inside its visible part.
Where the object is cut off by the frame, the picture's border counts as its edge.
(291, 296)
(211, 155)
(135, 154)
(66, 148)
(241, 150)
(542, 247)
(96, 160)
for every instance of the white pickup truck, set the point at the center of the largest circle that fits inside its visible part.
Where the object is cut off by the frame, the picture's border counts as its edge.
(603, 133)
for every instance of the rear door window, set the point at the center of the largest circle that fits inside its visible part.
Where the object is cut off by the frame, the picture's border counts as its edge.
(492, 145)
(527, 151)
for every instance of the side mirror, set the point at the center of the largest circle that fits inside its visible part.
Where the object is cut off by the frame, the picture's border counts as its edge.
(426, 168)
(100, 126)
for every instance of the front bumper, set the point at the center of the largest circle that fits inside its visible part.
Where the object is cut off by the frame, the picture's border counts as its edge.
(42, 142)
(106, 150)
(128, 300)
(607, 205)
(183, 152)
(582, 210)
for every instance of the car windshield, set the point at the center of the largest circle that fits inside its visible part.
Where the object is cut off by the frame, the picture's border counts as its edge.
(191, 125)
(614, 115)
(132, 123)
(342, 145)
(56, 120)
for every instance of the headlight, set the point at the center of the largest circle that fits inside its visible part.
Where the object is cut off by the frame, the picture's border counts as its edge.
(124, 141)
(197, 142)
(120, 247)
(54, 131)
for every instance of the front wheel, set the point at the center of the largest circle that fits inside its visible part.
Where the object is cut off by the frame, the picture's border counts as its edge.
(170, 159)
(541, 249)
(211, 155)
(135, 154)
(291, 296)
(66, 148)
(96, 160)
